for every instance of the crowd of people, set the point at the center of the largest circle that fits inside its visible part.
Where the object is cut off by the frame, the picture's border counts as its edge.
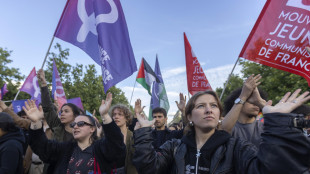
(209, 138)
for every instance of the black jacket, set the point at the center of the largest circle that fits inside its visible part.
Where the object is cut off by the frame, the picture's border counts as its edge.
(106, 150)
(160, 137)
(284, 149)
(11, 153)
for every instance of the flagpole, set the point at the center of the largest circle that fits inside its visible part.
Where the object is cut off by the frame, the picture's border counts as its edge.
(229, 78)
(62, 14)
(48, 50)
(132, 91)
(16, 95)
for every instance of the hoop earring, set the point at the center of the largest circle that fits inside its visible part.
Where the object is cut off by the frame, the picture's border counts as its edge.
(191, 123)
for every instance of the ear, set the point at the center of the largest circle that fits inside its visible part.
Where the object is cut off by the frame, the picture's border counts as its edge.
(92, 129)
(188, 117)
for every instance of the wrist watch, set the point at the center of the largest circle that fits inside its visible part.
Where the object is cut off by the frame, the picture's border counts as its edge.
(239, 101)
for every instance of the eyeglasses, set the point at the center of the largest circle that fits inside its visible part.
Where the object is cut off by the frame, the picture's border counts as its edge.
(80, 124)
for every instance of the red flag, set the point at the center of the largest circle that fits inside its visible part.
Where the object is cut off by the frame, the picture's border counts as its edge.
(280, 36)
(196, 78)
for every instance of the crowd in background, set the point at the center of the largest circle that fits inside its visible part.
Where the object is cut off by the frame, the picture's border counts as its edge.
(210, 138)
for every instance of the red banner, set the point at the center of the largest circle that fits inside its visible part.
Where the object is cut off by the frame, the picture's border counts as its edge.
(196, 78)
(280, 36)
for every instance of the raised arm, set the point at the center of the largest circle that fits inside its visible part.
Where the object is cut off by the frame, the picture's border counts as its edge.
(50, 113)
(112, 147)
(47, 150)
(181, 105)
(232, 116)
(284, 148)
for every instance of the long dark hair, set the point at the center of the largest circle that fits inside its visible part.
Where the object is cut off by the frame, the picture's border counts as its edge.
(74, 108)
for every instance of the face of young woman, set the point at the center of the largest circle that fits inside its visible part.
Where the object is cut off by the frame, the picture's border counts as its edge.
(83, 132)
(66, 115)
(206, 113)
(119, 117)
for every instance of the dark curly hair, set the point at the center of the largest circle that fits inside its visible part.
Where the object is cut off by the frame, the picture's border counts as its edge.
(230, 100)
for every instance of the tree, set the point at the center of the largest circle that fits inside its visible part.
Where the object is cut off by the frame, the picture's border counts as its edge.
(275, 82)
(234, 83)
(10, 76)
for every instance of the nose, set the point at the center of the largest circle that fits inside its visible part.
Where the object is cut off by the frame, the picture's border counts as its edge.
(208, 109)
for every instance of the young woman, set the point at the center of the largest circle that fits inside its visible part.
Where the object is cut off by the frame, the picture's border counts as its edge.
(60, 126)
(123, 117)
(85, 154)
(204, 149)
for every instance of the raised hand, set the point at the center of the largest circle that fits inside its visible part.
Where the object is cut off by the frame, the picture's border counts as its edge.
(143, 121)
(138, 109)
(33, 113)
(41, 77)
(288, 102)
(256, 99)
(105, 105)
(182, 103)
(249, 85)
(104, 109)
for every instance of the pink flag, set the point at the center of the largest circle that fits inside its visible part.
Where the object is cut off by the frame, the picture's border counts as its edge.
(31, 86)
(196, 78)
(58, 92)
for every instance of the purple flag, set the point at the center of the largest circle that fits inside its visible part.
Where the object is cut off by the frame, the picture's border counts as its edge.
(3, 91)
(58, 92)
(77, 101)
(99, 28)
(31, 86)
(159, 94)
(18, 105)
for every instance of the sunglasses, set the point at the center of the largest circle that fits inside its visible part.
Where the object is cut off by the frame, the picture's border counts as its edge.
(80, 124)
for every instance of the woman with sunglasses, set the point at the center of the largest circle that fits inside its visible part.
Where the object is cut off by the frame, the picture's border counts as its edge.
(85, 154)
(204, 149)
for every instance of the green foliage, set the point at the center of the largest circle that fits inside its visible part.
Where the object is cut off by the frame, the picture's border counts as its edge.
(234, 83)
(275, 82)
(10, 76)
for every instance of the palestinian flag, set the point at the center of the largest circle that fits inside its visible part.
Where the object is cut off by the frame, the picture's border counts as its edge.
(146, 76)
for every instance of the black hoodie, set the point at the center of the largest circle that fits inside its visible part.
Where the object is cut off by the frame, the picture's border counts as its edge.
(201, 158)
(11, 153)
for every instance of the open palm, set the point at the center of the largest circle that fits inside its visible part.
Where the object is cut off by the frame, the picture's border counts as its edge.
(33, 113)
(105, 105)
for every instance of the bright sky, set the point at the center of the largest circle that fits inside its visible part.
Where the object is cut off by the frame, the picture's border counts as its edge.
(216, 31)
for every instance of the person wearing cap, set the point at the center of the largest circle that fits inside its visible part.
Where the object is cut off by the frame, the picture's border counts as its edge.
(11, 148)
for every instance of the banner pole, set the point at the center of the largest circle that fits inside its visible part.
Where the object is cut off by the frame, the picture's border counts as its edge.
(48, 50)
(62, 14)
(132, 91)
(16, 95)
(229, 78)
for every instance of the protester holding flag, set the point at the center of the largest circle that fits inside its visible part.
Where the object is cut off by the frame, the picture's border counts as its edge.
(60, 126)
(204, 149)
(86, 154)
(122, 117)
